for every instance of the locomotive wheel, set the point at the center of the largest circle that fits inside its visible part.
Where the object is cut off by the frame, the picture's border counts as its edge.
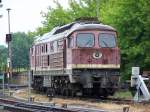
(110, 91)
(105, 93)
(50, 92)
(66, 92)
(73, 93)
(87, 92)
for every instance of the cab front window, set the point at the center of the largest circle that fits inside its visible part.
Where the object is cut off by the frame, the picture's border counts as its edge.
(107, 40)
(85, 40)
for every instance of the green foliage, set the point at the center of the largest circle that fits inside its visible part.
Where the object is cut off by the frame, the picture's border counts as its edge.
(123, 95)
(20, 49)
(3, 57)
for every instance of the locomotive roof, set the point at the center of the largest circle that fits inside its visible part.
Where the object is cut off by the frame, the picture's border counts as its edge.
(66, 30)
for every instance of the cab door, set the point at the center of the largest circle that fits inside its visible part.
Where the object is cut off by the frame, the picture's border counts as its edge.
(64, 53)
(69, 48)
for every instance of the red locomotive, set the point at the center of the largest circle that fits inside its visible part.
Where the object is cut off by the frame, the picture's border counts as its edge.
(80, 58)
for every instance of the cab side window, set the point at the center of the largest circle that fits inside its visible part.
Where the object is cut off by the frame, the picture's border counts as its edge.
(60, 44)
(70, 42)
(55, 45)
(51, 47)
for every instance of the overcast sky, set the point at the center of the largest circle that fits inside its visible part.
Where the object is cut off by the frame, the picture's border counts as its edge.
(25, 15)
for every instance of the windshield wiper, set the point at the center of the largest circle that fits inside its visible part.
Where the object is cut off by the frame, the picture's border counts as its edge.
(106, 45)
(87, 43)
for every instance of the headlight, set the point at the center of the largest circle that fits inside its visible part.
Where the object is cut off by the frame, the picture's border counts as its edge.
(97, 55)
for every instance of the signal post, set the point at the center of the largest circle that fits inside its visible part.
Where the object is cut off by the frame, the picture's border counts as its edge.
(8, 40)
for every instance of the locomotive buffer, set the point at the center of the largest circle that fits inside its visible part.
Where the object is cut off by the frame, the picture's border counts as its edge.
(137, 82)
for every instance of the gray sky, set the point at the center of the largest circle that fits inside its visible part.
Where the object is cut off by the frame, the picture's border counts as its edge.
(25, 15)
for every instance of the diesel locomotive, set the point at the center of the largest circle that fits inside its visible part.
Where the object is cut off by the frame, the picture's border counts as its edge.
(80, 58)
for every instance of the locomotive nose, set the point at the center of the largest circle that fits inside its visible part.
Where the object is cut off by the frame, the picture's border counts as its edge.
(95, 58)
(89, 56)
(89, 60)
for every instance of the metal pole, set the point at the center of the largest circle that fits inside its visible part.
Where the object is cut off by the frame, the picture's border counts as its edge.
(9, 50)
(3, 85)
(29, 86)
(1, 5)
(8, 19)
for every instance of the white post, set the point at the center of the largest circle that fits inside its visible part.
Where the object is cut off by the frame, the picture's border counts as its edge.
(137, 81)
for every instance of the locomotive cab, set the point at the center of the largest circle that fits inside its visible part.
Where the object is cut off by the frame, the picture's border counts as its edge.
(93, 60)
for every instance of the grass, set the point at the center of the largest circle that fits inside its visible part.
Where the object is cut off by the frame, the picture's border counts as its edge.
(123, 95)
(20, 69)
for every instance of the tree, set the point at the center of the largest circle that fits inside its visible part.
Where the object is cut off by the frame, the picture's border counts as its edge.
(3, 57)
(20, 49)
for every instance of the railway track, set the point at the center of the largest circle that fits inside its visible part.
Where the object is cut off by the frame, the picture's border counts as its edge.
(17, 106)
(103, 99)
(116, 100)
(20, 105)
(106, 100)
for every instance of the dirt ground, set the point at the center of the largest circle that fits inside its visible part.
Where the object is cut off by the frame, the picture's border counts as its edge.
(110, 107)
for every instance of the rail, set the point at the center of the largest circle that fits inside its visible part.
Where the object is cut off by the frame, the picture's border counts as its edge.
(28, 107)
